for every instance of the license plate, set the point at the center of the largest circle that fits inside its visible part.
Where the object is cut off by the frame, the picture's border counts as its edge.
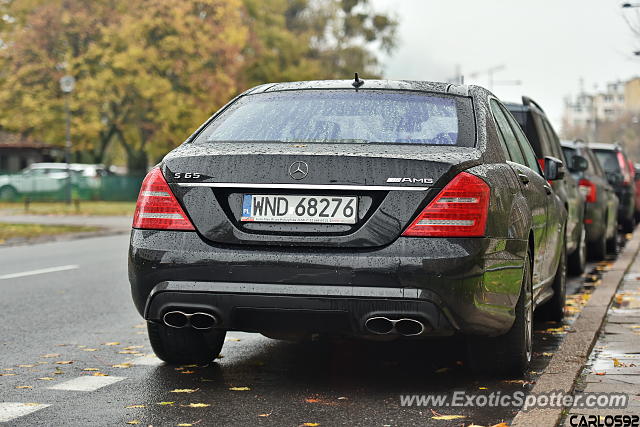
(322, 209)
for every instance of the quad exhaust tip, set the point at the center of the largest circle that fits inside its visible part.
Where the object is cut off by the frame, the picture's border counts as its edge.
(199, 320)
(382, 326)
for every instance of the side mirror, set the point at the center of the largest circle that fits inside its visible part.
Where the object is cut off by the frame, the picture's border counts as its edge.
(579, 164)
(553, 168)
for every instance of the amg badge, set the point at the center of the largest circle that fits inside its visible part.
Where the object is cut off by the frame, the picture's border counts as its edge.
(410, 180)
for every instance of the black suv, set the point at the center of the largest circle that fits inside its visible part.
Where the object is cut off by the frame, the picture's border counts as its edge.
(546, 143)
(601, 202)
(617, 166)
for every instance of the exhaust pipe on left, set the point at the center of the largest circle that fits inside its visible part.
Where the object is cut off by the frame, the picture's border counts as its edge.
(199, 320)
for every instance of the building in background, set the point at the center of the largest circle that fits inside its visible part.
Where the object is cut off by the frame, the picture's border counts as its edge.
(610, 115)
(17, 152)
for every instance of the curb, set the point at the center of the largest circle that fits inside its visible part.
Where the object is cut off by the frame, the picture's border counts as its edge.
(62, 237)
(567, 363)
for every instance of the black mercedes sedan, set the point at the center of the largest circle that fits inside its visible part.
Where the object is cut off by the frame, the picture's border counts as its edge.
(368, 209)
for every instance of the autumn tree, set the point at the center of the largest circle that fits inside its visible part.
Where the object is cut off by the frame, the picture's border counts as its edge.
(149, 71)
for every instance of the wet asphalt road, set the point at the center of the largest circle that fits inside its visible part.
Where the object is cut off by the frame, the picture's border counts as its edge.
(83, 314)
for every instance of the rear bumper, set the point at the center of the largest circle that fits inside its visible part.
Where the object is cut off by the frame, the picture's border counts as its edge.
(465, 285)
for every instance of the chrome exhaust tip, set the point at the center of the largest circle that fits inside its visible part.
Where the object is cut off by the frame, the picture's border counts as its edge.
(379, 325)
(202, 321)
(176, 319)
(409, 327)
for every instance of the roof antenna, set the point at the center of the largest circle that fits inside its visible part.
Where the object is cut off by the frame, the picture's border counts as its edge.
(357, 82)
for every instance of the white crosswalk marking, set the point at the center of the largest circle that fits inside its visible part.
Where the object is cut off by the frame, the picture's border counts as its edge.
(86, 383)
(149, 360)
(11, 410)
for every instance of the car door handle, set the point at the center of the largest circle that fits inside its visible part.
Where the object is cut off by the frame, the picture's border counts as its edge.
(547, 188)
(524, 178)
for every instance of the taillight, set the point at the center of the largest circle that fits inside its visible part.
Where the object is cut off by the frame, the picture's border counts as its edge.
(459, 210)
(157, 207)
(541, 163)
(588, 190)
(624, 169)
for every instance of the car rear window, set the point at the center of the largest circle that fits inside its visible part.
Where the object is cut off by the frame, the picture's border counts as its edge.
(346, 116)
(608, 160)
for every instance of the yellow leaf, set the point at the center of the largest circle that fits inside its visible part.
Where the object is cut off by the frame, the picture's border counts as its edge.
(617, 363)
(187, 372)
(263, 415)
(483, 388)
(90, 369)
(51, 355)
(132, 347)
(25, 366)
(128, 352)
(64, 362)
(239, 388)
(133, 422)
(184, 390)
(6, 375)
(184, 425)
(197, 405)
(89, 349)
(310, 424)
(448, 417)
(111, 343)
(165, 403)
(24, 386)
(46, 379)
(135, 406)
(99, 374)
(122, 365)
(501, 425)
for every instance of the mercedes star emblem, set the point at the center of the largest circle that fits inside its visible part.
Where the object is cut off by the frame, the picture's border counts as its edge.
(298, 170)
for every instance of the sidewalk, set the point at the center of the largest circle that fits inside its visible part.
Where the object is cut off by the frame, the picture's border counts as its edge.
(116, 224)
(614, 365)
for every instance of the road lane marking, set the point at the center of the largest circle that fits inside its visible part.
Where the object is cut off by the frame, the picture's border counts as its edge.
(86, 383)
(149, 360)
(40, 271)
(11, 410)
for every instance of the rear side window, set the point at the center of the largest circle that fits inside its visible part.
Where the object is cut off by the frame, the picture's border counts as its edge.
(529, 155)
(525, 120)
(346, 116)
(608, 160)
(554, 141)
(507, 134)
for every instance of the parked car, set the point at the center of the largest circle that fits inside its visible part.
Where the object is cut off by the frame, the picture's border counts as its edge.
(636, 179)
(545, 142)
(601, 207)
(366, 209)
(615, 163)
(41, 179)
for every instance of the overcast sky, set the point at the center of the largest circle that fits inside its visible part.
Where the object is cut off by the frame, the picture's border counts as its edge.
(547, 44)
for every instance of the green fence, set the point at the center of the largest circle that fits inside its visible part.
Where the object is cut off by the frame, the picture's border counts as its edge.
(17, 187)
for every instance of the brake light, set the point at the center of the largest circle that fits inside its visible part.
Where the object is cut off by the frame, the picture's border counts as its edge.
(459, 210)
(541, 163)
(623, 168)
(588, 190)
(157, 207)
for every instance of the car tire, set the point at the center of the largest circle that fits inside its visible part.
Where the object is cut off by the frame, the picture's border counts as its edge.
(8, 193)
(179, 346)
(629, 224)
(598, 249)
(508, 354)
(554, 308)
(613, 246)
(577, 261)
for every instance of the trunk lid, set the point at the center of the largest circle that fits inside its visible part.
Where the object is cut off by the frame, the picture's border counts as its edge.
(392, 184)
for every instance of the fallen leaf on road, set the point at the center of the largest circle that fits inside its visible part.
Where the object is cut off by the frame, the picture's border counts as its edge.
(128, 352)
(448, 417)
(312, 400)
(233, 339)
(99, 374)
(264, 415)
(601, 373)
(184, 425)
(122, 365)
(89, 349)
(7, 375)
(135, 406)
(187, 372)
(342, 398)
(165, 403)
(133, 422)
(617, 364)
(112, 343)
(64, 362)
(197, 405)
(547, 354)
(51, 355)
(500, 425)
(46, 379)
(90, 369)
(239, 388)
(310, 424)
(133, 347)
(184, 390)
(483, 388)
(25, 366)
(23, 386)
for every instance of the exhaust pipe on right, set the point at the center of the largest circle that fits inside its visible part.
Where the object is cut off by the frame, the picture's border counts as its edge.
(200, 321)
(176, 319)
(409, 327)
